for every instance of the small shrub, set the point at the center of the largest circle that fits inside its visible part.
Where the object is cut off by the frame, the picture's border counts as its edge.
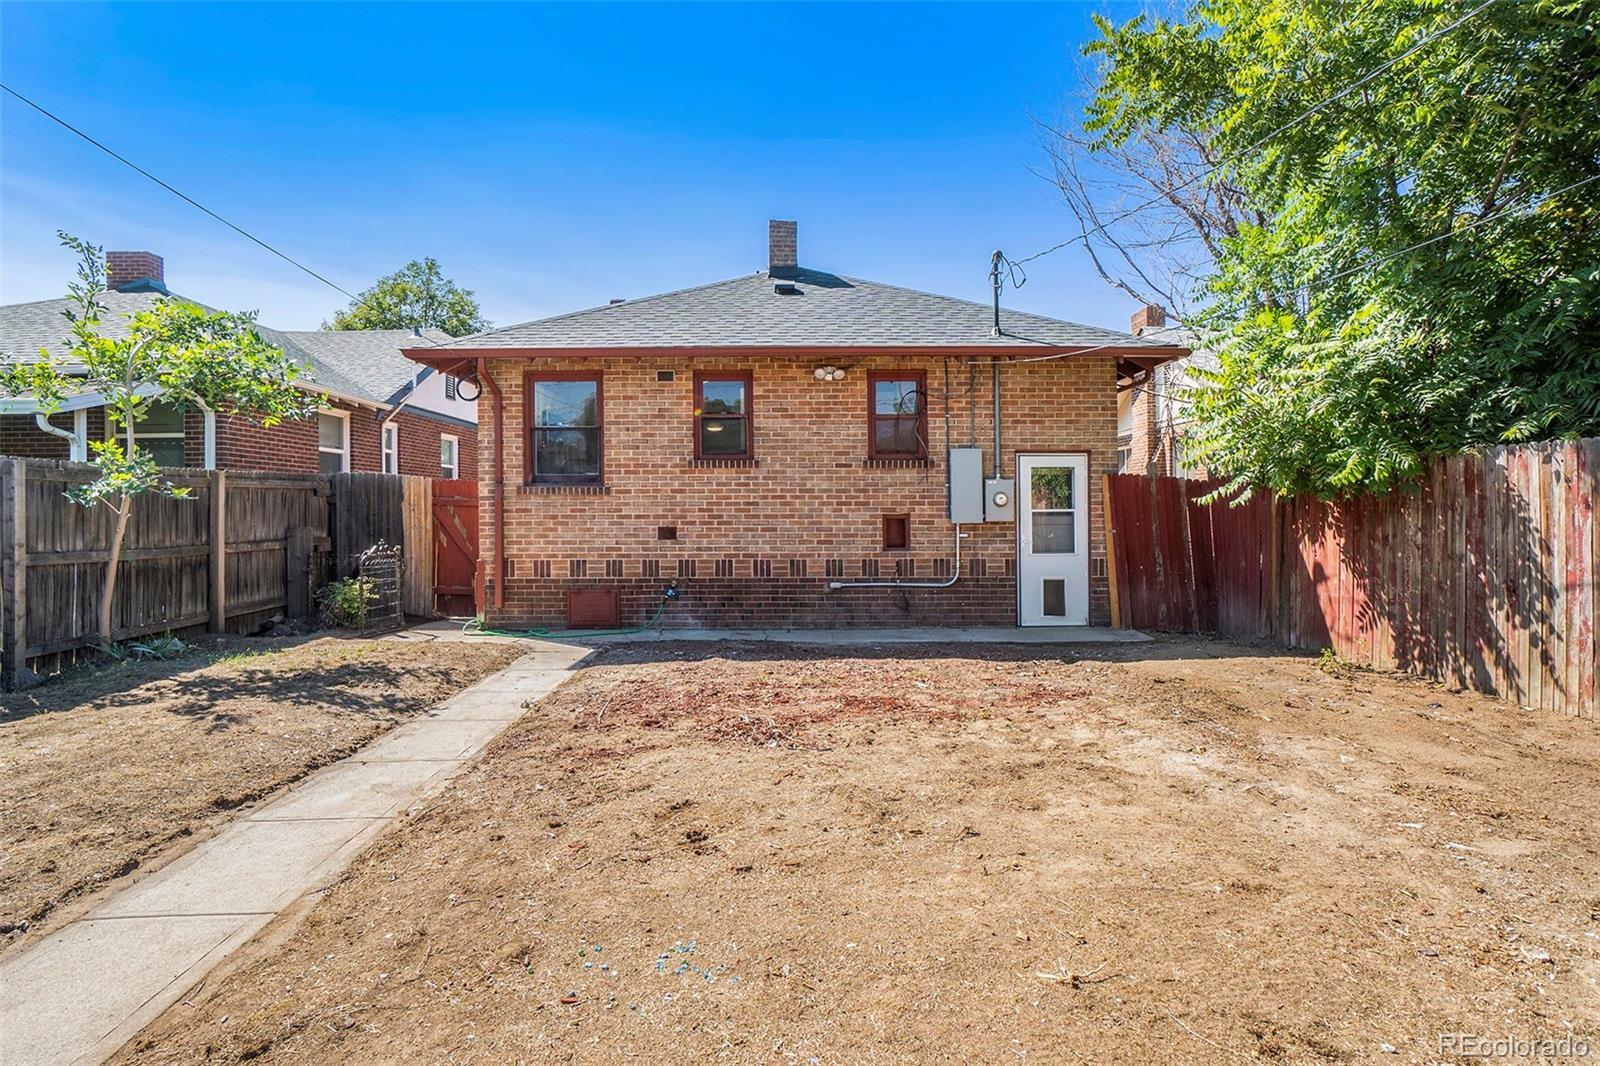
(345, 602)
(1333, 664)
(162, 647)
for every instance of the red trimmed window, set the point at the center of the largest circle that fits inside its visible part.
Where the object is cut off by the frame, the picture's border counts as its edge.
(564, 415)
(897, 414)
(724, 426)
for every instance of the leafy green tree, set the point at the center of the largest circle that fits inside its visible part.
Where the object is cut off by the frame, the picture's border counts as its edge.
(418, 295)
(178, 351)
(1416, 270)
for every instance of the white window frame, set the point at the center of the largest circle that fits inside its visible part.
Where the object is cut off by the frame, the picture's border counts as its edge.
(344, 453)
(391, 448)
(454, 469)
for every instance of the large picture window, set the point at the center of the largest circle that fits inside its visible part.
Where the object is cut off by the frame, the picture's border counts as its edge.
(564, 427)
(897, 415)
(722, 416)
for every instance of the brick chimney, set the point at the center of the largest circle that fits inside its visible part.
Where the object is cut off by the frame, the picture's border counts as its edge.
(125, 269)
(1147, 318)
(782, 249)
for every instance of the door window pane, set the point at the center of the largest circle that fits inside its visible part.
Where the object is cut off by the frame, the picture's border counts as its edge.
(566, 403)
(1055, 598)
(1054, 532)
(1052, 488)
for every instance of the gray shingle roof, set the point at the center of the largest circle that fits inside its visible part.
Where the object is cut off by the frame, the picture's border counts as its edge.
(363, 363)
(827, 310)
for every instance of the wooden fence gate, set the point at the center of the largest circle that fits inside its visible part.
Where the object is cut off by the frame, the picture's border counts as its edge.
(455, 547)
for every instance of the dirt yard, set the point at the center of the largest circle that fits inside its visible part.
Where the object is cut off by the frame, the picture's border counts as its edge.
(106, 771)
(1177, 852)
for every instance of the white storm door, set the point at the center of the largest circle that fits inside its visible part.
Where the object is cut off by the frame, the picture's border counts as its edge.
(1053, 540)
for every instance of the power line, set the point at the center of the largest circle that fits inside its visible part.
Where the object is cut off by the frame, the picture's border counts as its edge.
(180, 195)
(1259, 142)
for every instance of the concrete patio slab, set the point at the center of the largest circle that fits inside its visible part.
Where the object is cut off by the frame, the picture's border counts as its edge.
(79, 993)
(916, 635)
(451, 629)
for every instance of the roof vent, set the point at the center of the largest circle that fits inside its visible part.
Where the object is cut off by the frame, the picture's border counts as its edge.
(786, 288)
(616, 300)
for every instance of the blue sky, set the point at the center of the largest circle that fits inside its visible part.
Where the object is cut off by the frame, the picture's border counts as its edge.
(550, 157)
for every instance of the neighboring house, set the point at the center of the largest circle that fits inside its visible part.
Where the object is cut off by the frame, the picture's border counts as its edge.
(384, 412)
(1152, 418)
(776, 444)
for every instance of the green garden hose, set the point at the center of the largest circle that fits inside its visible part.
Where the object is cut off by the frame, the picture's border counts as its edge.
(476, 625)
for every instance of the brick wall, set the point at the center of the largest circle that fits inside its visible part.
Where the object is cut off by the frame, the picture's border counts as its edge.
(21, 436)
(419, 445)
(758, 544)
(290, 447)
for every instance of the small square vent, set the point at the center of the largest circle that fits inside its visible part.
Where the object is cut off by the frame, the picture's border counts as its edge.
(666, 375)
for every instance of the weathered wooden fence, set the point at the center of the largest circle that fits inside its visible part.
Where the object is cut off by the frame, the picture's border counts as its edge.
(373, 509)
(1483, 577)
(241, 549)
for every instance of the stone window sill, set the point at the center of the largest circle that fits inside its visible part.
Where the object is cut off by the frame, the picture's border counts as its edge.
(580, 489)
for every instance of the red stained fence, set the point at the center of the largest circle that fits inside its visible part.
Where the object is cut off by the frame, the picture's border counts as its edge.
(1482, 577)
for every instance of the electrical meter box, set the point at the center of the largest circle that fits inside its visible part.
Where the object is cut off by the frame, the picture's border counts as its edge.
(999, 500)
(966, 485)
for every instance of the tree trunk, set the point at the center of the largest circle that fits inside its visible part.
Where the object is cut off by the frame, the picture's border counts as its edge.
(108, 588)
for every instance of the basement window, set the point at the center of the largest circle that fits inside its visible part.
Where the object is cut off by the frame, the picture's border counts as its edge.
(896, 532)
(564, 428)
(897, 416)
(722, 415)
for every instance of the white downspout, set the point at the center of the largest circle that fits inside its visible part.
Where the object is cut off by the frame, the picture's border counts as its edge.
(77, 438)
(208, 436)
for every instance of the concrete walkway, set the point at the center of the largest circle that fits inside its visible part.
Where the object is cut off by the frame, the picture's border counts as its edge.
(84, 990)
(452, 630)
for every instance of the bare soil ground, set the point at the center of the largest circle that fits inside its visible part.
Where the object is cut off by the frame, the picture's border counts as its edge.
(107, 770)
(1176, 852)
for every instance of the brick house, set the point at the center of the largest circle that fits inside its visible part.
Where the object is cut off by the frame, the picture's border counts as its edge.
(795, 448)
(384, 413)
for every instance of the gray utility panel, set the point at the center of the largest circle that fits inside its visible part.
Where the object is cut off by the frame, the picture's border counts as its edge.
(966, 485)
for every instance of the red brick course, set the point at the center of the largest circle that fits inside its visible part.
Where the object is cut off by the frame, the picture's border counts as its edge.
(757, 544)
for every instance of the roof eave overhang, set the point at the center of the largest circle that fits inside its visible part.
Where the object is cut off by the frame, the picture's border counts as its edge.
(1142, 356)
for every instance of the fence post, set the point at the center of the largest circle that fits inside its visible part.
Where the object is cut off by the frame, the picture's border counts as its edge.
(219, 552)
(14, 673)
(1111, 552)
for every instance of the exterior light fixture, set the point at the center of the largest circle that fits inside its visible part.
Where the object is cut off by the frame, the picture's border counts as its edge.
(828, 373)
